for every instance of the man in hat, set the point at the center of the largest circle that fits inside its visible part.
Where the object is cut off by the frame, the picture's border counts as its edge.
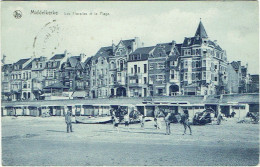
(68, 121)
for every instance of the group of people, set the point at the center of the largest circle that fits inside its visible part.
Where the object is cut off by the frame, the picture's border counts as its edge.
(121, 114)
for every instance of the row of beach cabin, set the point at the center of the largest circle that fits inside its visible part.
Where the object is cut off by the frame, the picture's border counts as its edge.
(240, 104)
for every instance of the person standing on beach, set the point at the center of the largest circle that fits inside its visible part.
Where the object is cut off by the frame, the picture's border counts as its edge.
(68, 121)
(116, 123)
(127, 120)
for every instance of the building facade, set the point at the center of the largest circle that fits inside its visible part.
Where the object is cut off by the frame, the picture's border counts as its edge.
(203, 65)
(137, 72)
(118, 66)
(198, 66)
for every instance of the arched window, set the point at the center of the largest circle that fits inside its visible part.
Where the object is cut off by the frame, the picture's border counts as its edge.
(112, 65)
(112, 78)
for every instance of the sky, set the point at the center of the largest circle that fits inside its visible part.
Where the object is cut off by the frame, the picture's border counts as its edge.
(235, 26)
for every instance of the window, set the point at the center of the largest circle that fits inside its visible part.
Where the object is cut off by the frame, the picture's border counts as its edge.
(216, 78)
(193, 76)
(204, 53)
(138, 69)
(112, 65)
(136, 81)
(151, 66)
(160, 77)
(121, 65)
(204, 63)
(197, 76)
(198, 51)
(216, 67)
(145, 68)
(204, 75)
(161, 65)
(187, 52)
(172, 74)
(197, 64)
(185, 64)
(145, 80)
(135, 67)
(185, 76)
(132, 70)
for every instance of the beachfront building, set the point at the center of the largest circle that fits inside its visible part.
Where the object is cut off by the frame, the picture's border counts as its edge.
(72, 72)
(6, 79)
(254, 84)
(87, 77)
(118, 66)
(53, 66)
(27, 82)
(99, 85)
(203, 65)
(159, 69)
(19, 77)
(137, 72)
(173, 71)
(38, 76)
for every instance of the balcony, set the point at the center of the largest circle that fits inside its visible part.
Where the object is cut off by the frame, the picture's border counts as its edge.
(136, 85)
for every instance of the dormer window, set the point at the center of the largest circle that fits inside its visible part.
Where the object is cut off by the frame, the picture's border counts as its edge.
(189, 41)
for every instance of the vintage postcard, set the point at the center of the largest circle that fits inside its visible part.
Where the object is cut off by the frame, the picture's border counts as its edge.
(130, 83)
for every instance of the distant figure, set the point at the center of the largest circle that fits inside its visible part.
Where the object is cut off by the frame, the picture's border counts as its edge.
(116, 123)
(68, 121)
(127, 120)
(185, 121)
(157, 121)
(167, 120)
(142, 120)
(233, 114)
(219, 118)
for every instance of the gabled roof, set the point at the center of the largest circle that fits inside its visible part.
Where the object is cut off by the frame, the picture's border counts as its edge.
(128, 43)
(201, 32)
(165, 48)
(235, 65)
(88, 60)
(191, 41)
(58, 56)
(215, 45)
(7, 67)
(28, 67)
(104, 52)
(21, 61)
(255, 78)
(143, 52)
(73, 61)
(179, 47)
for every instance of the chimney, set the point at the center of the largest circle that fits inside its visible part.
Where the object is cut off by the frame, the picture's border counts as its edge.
(82, 56)
(173, 43)
(3, 60)
(136, 44)
(216, 42)
(239, 62)
(113, 46)
(65, 52)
